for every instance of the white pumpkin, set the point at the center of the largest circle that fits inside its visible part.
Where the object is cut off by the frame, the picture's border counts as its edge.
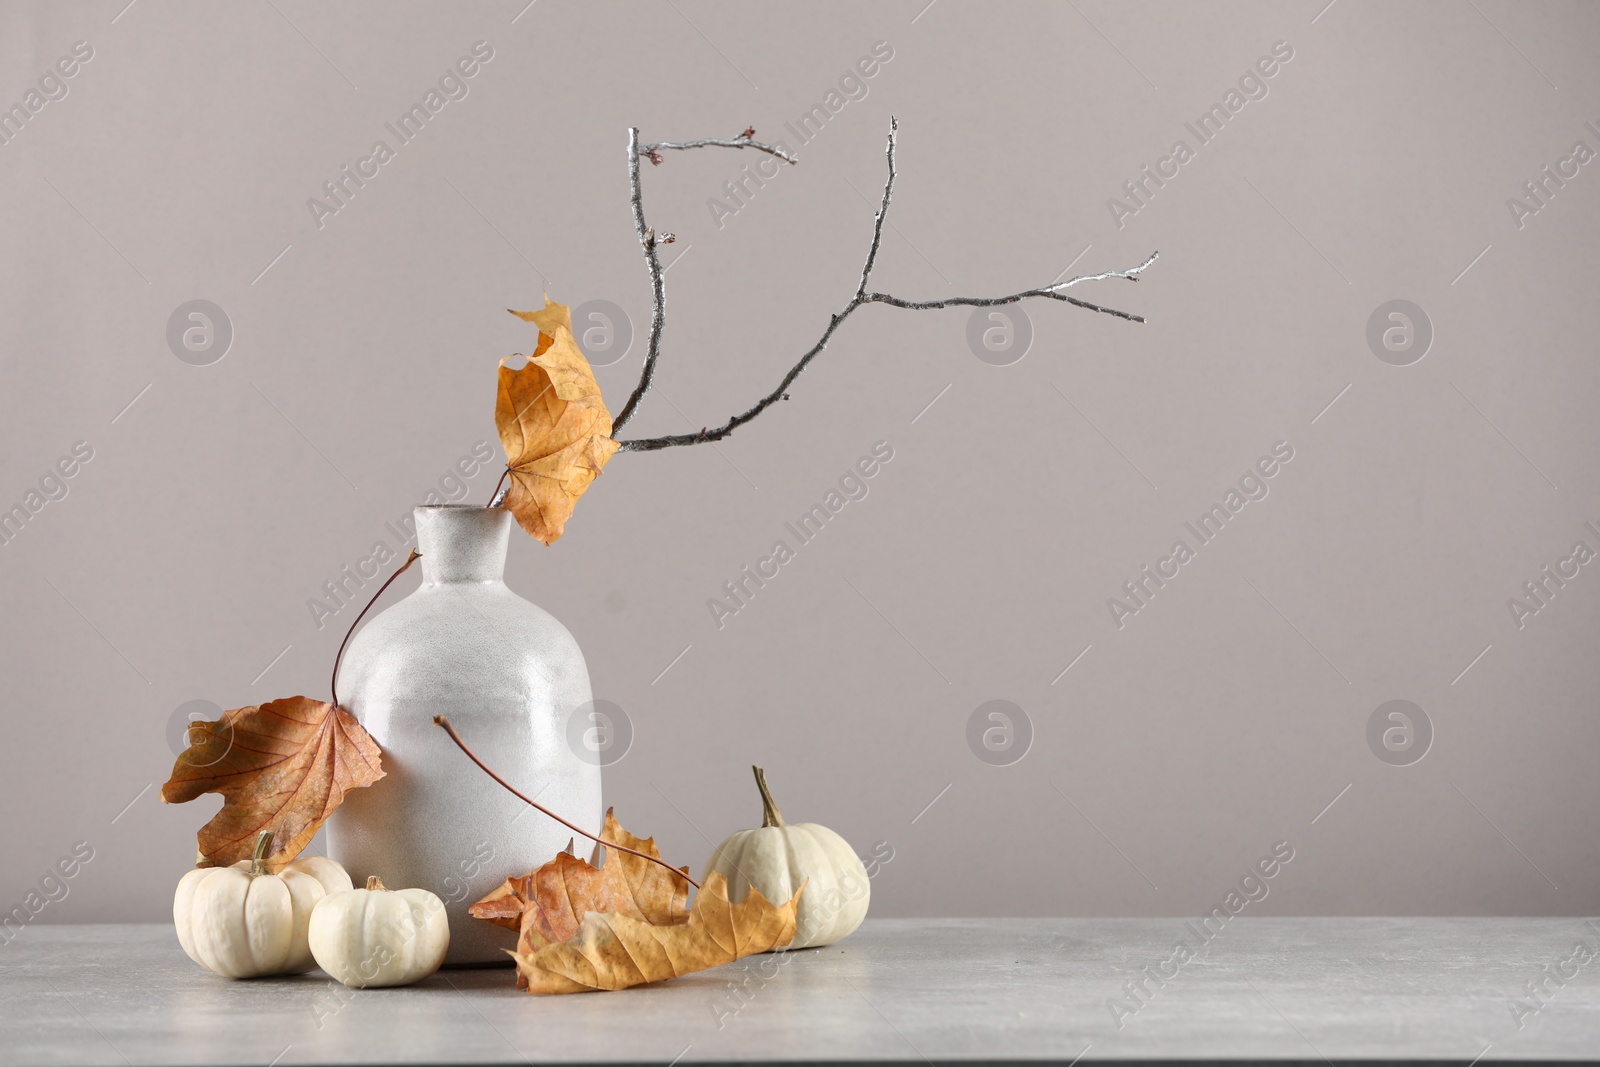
(778, 858)
(378, 937)
(243, 922)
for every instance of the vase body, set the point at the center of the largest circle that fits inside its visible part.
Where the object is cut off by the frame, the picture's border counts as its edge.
(508, 676)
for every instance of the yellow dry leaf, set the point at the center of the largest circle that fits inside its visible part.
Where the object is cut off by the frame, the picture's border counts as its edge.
(553, 425)
(615, 951)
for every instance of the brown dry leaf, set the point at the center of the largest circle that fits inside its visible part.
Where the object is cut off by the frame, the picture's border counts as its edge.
(283, 766)
(547, 905)
(554, 426)
(611, 951)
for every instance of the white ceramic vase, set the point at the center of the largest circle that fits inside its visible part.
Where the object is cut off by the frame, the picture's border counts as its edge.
(509, 677)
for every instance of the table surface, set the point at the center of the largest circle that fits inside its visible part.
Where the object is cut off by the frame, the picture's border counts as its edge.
(909, 990)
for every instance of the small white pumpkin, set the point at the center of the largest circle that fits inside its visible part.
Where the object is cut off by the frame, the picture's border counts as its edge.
(243, 922)
(778, 858)
(378, 937)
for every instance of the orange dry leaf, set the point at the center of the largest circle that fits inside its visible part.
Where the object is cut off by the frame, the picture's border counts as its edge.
(283, 766)
(547, 905)
(546, 319)
(554, 426)
(617, 951)
(583, 927)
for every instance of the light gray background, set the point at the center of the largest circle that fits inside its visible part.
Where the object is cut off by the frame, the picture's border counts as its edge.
(1224, 717)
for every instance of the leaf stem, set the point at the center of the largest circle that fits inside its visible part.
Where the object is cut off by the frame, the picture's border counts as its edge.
(441, 721)
(494, 497)
(770, 815)
(334, 685)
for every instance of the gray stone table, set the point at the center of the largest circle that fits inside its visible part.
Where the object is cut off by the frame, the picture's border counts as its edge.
(912, 990)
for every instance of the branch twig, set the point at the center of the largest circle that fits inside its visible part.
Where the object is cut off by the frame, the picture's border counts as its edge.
(658, 285)
(861, 298)
(649, 240)
(883, 212)
(652, 152)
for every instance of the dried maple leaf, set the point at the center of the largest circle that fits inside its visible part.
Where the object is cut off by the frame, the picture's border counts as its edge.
(546, 319)
(283, 766)
(554, 426)
(613, 951)
(583, 927)
(547, 905)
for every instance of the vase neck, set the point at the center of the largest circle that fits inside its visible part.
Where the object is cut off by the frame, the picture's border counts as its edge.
(462, 544)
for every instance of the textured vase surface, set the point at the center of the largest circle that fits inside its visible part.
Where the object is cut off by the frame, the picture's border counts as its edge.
(509, 677)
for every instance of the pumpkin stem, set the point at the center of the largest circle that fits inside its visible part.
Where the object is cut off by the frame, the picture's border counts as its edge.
(375, 883)
(258, 862)
(770, 815)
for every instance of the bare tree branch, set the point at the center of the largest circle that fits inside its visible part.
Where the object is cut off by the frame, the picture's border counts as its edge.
(883, 211)
(1049, 292)
(652, 444)
(861, 298)
(649, 240)
(652, 152)
(658, 285)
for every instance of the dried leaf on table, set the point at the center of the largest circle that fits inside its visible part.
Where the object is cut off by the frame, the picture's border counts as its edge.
(616, 951)
(547, 904)
(582, 927)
